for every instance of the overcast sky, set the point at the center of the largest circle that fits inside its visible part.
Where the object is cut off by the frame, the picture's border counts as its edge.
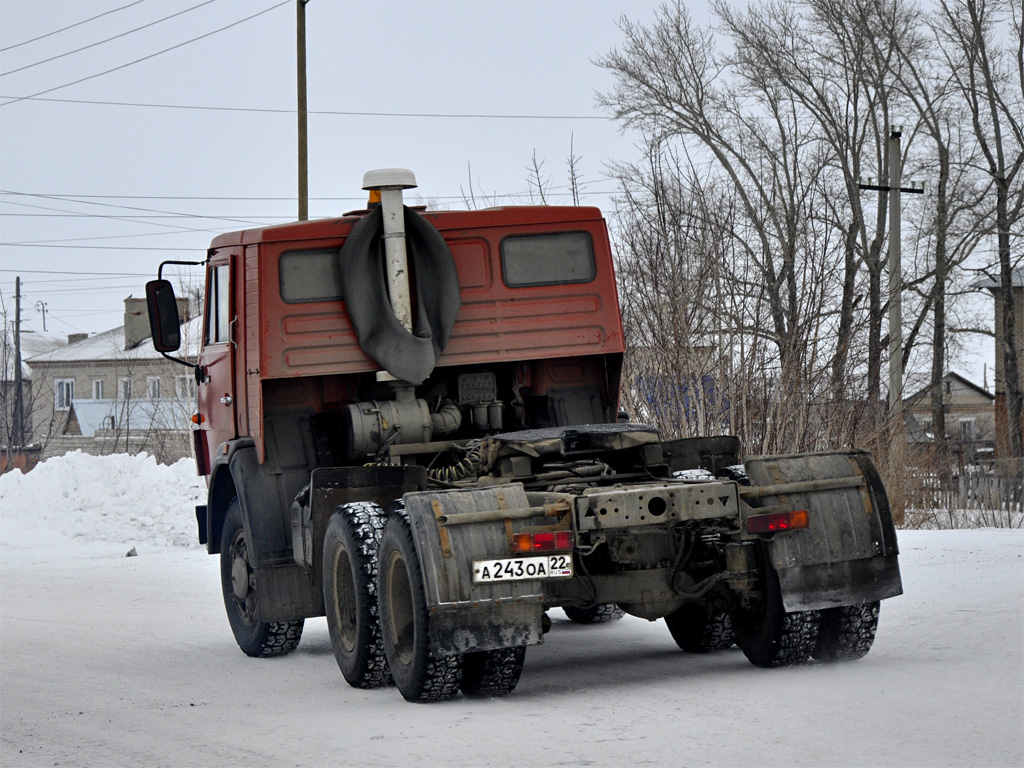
(94, 188)
(113, 187)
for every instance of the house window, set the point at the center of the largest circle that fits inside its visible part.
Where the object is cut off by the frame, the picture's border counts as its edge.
(124, 389)
(185, 387)
(967, 430)
(97, 389)
(153, 387)
(64, 393)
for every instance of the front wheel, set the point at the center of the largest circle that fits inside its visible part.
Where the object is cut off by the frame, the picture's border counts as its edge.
(242, 598)
(350, 593)
(405, 620)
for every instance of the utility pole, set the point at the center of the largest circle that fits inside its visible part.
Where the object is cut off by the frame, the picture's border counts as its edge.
(300, 6)
(18, 411)
(895, 265)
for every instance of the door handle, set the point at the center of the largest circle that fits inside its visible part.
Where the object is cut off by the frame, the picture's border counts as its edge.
(226, 399)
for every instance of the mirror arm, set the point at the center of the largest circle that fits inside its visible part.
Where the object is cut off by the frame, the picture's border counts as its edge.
(160, 270)
(180, 361)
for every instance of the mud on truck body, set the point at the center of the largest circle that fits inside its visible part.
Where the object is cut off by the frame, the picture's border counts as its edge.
(409, 424)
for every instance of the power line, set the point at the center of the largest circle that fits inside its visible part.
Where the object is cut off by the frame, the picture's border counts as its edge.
(101, 42)
(74, 272)
(68, 197)
(72, 26)
(150, 56)
(151, 216)
(111, 205)
(334, 112)
(107, 237)
(98, 247)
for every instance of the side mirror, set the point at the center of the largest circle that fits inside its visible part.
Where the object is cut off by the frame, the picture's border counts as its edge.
(164, 322)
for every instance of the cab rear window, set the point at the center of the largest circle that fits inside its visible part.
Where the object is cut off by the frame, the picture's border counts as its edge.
(547, 259)
(310, 276)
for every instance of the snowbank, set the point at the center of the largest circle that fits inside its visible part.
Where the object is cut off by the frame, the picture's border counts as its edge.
(117, 500)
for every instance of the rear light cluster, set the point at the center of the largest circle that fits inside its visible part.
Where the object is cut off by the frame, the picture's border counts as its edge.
(543, 542)
(778, 521)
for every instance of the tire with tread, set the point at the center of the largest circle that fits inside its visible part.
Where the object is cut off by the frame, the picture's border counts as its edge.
(350, 593)
(697, 631)
(847, 632)
(769, 636)
(492, 673)
(421, 676)
(595, 614)
(254, 636)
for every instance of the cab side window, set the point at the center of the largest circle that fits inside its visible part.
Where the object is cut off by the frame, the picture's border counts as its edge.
(217, 305)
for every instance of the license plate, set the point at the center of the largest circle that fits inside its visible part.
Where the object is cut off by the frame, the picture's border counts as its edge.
(517, 568)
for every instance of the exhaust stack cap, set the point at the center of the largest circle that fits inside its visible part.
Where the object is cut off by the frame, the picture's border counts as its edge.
(389, 178)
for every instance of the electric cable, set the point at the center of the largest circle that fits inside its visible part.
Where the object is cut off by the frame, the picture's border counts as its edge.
(71, 26)
(101, 42)
(146, 58)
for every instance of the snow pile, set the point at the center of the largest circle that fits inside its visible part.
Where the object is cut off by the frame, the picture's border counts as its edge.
(117, 499)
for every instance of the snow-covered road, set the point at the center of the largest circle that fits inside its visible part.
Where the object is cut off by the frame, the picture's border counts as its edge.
(114, 661)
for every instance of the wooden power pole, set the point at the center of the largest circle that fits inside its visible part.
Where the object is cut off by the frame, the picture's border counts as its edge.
(300, 26)
(17, 436)
(895, 263)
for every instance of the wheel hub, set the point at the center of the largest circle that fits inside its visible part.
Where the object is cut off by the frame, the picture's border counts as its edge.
(239, 577)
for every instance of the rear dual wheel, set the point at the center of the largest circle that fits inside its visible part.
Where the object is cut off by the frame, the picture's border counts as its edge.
(420, 674)
(350, 593)
(697, 631)
(595, 614)
(847, 632)
(770, 636)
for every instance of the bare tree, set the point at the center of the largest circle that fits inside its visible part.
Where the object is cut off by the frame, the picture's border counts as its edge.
(951, 233)
(982, 42)
(535, 181)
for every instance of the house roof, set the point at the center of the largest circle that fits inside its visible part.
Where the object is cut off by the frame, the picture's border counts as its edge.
(33, 343)
(924, 392)
(992, 282)
(141, 414)
(109, 346)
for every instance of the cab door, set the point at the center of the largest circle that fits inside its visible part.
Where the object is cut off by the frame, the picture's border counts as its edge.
(216, 392)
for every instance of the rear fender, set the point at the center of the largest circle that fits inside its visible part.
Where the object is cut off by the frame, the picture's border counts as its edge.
(848, 554)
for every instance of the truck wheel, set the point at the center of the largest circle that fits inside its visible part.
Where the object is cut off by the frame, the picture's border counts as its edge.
(405, 621)
(350, 593)
(242, 598)
(771, 637)
(595, 614)
(492, 673)
(697, 631)
(847, 632)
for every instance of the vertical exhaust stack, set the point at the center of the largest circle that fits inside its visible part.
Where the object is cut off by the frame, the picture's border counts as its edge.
(390, 182)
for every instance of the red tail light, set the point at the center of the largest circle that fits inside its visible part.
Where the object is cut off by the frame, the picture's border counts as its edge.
(778, 521)
(543, 542)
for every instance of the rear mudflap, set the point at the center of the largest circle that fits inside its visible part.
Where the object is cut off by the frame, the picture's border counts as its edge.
(848, 554)
(465, 616)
